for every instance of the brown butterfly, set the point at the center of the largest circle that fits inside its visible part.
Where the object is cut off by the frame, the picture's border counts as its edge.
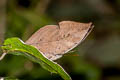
(55, 40)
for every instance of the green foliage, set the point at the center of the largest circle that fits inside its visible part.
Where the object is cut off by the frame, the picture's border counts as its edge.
(15, 46)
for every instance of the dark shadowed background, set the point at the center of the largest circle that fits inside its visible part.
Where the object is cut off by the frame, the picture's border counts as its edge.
(97, 58)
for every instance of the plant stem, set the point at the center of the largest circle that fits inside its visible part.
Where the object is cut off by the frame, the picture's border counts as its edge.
(2, 56)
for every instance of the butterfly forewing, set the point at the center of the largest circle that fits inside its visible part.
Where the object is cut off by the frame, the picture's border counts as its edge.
(55, 40)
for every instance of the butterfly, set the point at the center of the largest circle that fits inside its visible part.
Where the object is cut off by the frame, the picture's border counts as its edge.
(55, 40)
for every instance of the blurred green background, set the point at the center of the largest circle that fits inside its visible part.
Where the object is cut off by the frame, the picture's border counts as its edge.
(98, 57)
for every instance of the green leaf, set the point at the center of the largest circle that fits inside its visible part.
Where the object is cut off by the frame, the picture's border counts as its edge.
(16, 46)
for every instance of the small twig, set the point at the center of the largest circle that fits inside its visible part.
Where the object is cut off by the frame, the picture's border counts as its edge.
(2, 56)
(1, 78)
